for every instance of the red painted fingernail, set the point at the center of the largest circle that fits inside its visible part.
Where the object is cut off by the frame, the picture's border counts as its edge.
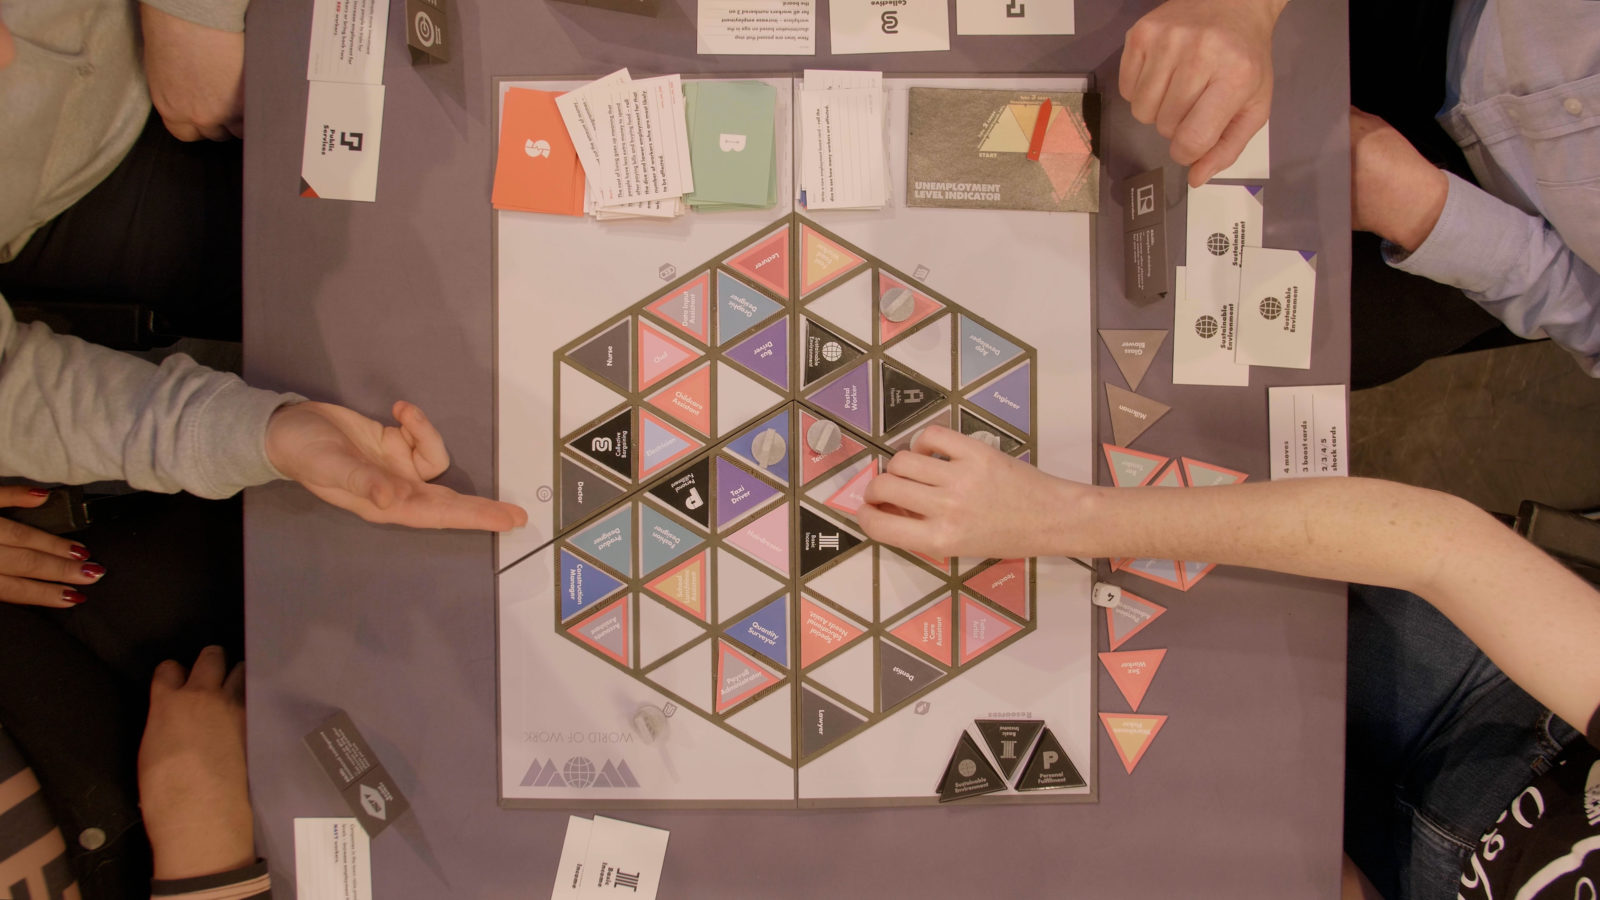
(78, 552)
(38, 492)
(93, 570)
(74, 597)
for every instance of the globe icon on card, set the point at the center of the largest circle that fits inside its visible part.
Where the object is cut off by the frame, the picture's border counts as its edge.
(1217, 243)
(1271, 308)
(579, 772)
(1206, 327)
(831, 351)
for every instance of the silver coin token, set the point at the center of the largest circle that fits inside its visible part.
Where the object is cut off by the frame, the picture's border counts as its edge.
(824, 437)
(988, 437)
(768, 447)
(897, 304)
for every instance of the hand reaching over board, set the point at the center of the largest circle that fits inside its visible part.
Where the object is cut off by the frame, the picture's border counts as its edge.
(975, 501)
(378, 472)
(1201, 72)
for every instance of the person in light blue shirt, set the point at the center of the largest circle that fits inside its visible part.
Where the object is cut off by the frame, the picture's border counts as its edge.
(1499, 198)
(1522, 101)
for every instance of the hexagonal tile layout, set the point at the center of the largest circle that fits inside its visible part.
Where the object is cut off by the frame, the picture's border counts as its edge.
(730, 423)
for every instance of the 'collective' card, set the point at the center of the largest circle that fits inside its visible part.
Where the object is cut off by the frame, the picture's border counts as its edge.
(866, 26)
(344, 124)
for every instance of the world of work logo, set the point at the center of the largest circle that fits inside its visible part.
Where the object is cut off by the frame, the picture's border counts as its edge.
(579, 772)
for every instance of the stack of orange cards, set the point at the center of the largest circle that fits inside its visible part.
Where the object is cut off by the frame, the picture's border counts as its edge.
(537, 169)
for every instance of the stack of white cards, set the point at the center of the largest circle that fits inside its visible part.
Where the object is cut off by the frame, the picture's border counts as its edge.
(633, 144)
(842, 121)
(344, 107)
(1236, 303)
(601, 857)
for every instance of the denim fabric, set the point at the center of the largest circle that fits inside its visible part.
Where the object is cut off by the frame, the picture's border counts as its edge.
(1438, 742)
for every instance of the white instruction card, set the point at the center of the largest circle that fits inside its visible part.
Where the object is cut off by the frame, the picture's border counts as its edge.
(332, 860)
(347, 38)
(757, 28)
(1308, 431)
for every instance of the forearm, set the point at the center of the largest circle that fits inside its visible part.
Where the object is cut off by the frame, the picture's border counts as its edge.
(223, 15)
(1514, 265)
(1531, 616)
(75, 412)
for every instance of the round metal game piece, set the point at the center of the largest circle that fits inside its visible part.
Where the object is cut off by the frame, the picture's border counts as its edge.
(897, 304)
(824, 437)
(768, 447)
(650, 724)
(988, 437)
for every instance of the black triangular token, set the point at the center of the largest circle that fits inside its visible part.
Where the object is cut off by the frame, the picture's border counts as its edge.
(968, 774)
(900, 675)
(1009, 740)
(821, 541)
(971, 424)
(582, 493)
(1049, 768)
(610, 444)
(825, 722)
(825, 352)
(610, 355)
(904, 397)
(688, 491)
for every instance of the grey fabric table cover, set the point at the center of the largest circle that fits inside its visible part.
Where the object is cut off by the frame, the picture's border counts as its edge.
(1240, 795)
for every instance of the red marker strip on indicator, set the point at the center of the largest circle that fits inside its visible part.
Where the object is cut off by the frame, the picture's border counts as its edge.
(1040, 126)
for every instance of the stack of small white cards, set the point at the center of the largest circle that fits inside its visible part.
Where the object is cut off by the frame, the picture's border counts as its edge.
(1236, 303)
(633, 144)
(344, 110)
(842, 121)
(603, 856)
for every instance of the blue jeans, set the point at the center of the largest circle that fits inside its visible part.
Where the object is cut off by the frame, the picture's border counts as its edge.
(1438, 741)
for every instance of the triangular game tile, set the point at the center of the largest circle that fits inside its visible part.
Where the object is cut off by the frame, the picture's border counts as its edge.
(1133, 351)
(969, 773)
(1009, 740)
(1130, 616)
(1131, 414)
(1132, 671)
(1204, 474)
(1049, 767)
(1131, 468)
(1131, 735)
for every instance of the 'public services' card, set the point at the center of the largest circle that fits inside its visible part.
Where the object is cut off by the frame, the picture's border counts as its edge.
(344, 125)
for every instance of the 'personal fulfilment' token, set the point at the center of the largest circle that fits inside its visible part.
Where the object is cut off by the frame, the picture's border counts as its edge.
(768, 447)
(824, 437)
(897, 304)
(988, 437)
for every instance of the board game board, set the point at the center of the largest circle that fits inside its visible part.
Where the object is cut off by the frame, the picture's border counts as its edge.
(690, 411)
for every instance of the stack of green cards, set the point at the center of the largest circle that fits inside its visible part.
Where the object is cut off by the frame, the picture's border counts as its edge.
(731, 146)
